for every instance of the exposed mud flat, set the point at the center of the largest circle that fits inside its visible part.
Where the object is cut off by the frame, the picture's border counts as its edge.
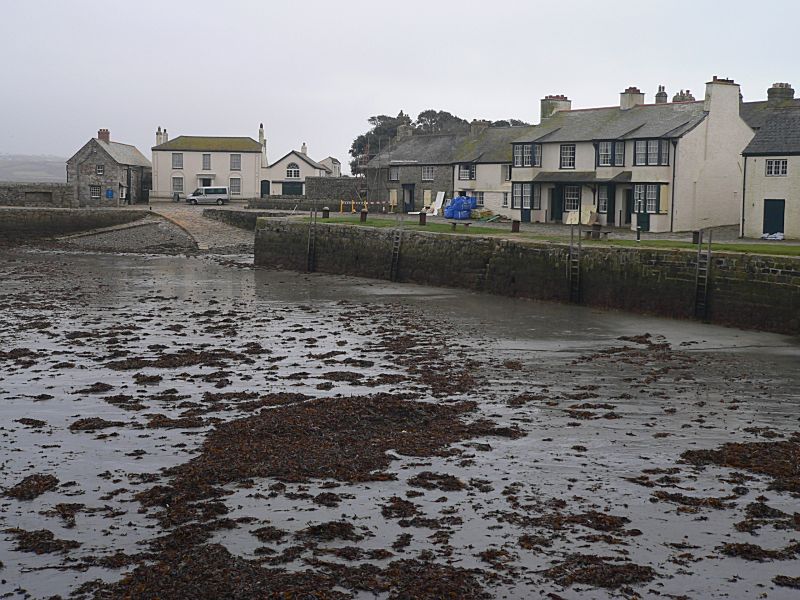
(192, 427)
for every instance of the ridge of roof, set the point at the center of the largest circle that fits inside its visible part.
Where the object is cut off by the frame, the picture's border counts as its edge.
(210, 143)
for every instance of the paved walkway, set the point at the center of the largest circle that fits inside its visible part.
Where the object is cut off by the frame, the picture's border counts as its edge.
(209, 234)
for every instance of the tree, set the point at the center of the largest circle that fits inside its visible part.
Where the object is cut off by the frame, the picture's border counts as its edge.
(440, 121)
(367, 145)
(510, 123)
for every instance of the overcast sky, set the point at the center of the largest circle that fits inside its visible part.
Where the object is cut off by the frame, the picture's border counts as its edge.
(314, 71)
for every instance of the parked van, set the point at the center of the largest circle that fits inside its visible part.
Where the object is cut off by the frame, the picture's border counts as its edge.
(209, 195)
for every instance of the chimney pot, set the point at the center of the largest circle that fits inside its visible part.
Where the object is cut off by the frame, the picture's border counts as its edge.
(780, 93)
(553, 103)
(631, 97)
(104, 135)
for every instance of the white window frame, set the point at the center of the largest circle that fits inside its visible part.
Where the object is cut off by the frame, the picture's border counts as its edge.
(99, 169)
(516, 196)
(479, 198)
(651, 198)
(526, 195)
(466, 172)
(639, 193)
(505, 200)
(179, 180)
(536, 155)
(235, 186)
(567, 156)
(427, 173)
(177, 160)
(572, 197)
(537, 196)
(236, 162)
(652, 152)
(619, 154)
(293, 171)
(526, 155)
(94, 192)
(206, 162)
(776, 167)
(517, 155)
(394, 173)
(604, 154)
(640, 153)
(602, 199)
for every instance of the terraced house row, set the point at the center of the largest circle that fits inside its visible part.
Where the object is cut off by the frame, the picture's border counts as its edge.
(664, 166)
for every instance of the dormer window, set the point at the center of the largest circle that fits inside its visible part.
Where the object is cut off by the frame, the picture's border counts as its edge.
(466, 172)
(527, 155)
(651, 153)
(611, 153)
(292, 171)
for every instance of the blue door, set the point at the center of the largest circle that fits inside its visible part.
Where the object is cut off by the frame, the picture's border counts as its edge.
(525, 215)
(774, 211)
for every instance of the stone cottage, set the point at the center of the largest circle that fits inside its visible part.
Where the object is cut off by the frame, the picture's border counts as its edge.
(106, 173)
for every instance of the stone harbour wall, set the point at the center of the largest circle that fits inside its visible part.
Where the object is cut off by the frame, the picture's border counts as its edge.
(16, 223)
(749, 291)
(243, 219)
(56, 195)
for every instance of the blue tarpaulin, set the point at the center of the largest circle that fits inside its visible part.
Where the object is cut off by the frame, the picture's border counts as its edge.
(460, 207)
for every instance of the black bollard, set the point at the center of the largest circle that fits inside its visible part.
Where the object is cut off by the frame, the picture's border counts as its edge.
(363, 215)
(326, 212)
(423, 218)
(514, 226)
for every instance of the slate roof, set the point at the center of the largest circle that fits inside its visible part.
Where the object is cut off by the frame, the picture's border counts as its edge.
(124, 154)
(314, 164)
(669, 120)
(199, 143)
(492, 145)
(581, 177)
(756, 113)
(778, 135)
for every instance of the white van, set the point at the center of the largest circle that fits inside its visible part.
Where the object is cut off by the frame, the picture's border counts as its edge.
(209, 195)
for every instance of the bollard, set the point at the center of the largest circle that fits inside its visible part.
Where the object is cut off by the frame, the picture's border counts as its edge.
(514, 226)
(326, 212)
(363, 215)
(638, 233)
(423, 218)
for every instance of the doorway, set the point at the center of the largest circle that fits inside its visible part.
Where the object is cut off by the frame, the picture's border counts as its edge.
(408, 197)
(628, 206)
(774, 214)
(611, 209)
(205, 181)
(264, 188)
(557, 203)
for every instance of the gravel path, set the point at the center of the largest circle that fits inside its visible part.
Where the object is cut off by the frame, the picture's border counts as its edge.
(152, 235)
(209, 234)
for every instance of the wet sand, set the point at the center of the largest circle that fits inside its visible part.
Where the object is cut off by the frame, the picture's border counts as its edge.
(373, 438)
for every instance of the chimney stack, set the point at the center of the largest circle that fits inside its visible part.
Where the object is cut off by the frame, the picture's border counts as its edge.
(683, 96)
(630, 97)
(780, 94)
(661, 96)
(722, 96)
(304, 149)
(404, 131)
(165, 137)
(103, 135)
(552, 104)
(159, 136)
(477, 127)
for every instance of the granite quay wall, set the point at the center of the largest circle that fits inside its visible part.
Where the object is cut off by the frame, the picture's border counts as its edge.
(334, 189)
(754, 292)
(16, 223)
(243, 219)
(55, 195)
(306, 203)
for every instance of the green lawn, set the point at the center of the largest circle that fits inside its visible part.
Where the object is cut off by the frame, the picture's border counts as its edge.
(778, 249)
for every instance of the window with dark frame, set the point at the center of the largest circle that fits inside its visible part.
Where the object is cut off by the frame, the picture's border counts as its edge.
(651, 153)
(236, 186)
(292, 171)
(646, 197)
(567, 156)
(777, 167)
(619, 153)
(517, 155)
(94, 191)
(236, 162)
(526, 195)
(604, 154)
(537, 155)
(611, 153)
(507, 172)
(99, 169)
(505, 200)
(537, 196)
(602, 199)
(572, 197)
(516, 196)
(466, 172)
(177, 160)
(478, 198)
(526, 155)
(177, 184)
(206, 162)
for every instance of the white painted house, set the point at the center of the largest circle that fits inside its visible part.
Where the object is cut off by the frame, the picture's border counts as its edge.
(771, 203)
(668, 166)
(187, 162)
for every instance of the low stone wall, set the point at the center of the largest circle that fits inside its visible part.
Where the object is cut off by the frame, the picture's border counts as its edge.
(53, 195)
(334, 189)
(243, 219)
(755, 292)
(16, 223)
